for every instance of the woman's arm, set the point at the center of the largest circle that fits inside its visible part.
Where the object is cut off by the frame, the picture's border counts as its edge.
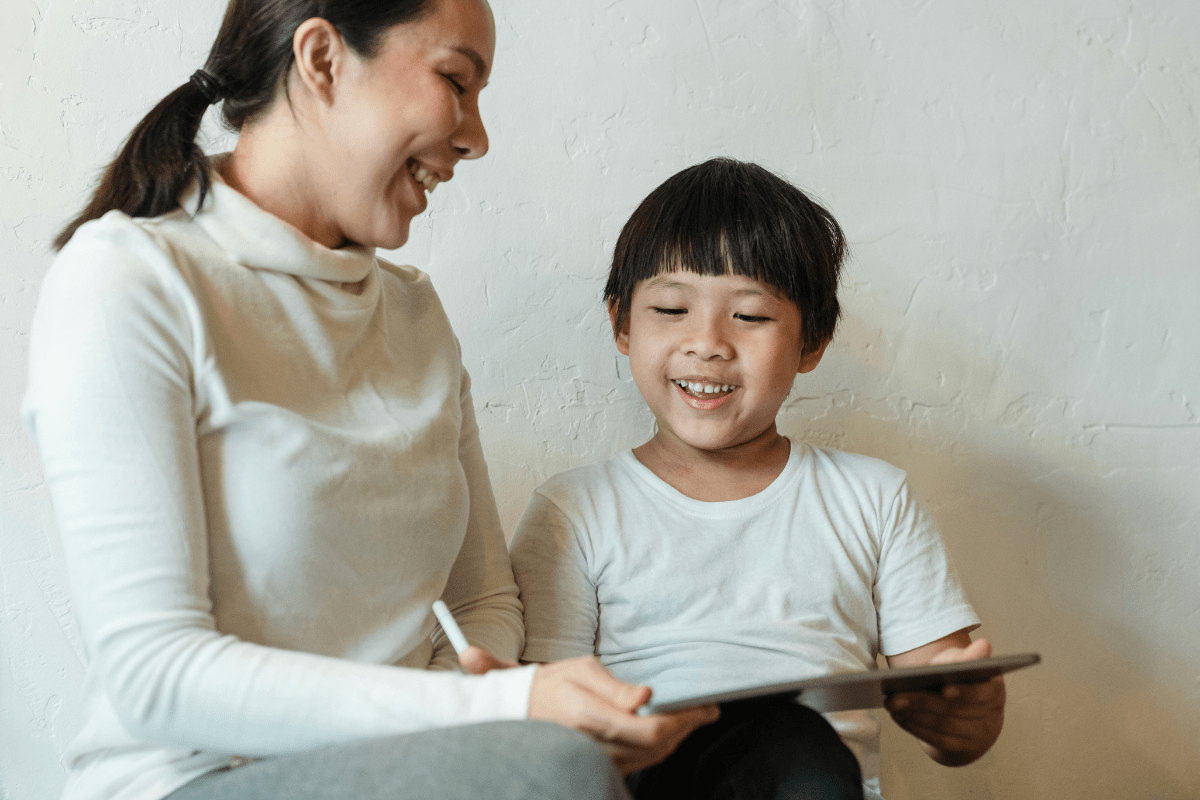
(112, 408)
(480, 592)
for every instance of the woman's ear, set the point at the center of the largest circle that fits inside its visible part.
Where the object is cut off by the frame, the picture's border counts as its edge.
(319, 53)
(809, 361)
(620, 332)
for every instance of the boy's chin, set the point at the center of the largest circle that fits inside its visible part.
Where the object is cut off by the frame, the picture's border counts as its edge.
(716, 444)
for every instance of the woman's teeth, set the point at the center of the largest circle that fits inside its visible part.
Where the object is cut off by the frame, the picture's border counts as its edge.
(696, 387)
(424, 178)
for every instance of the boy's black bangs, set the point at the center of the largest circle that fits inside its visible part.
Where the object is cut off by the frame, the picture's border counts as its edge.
(726, 217)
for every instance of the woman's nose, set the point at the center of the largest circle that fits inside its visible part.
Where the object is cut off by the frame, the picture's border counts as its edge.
(470, 139)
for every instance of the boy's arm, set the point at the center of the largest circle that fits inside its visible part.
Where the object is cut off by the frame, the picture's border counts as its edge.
(562, 615)
(959, 724)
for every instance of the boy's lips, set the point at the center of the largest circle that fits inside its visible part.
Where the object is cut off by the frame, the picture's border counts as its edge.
(696, 396)
(705, 388)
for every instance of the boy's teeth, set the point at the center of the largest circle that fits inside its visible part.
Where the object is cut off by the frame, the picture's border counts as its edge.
(695, 387)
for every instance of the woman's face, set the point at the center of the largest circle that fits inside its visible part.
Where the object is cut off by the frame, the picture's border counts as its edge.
(400, 121)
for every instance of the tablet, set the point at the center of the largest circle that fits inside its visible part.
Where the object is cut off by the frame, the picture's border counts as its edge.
(858, 689)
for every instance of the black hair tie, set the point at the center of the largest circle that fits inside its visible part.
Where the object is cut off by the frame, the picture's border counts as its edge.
(207, 84)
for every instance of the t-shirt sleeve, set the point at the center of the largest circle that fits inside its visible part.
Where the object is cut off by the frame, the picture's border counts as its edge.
(111, 407)
(918, 597)
(561, 611)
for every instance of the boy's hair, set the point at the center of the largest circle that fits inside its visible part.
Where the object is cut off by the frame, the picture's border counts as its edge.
(727, 217)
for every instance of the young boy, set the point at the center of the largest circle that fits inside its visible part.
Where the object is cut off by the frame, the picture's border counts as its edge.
(719, 553)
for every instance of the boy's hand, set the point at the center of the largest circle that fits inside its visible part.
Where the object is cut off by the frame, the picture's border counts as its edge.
(959, 724)
(580, 693)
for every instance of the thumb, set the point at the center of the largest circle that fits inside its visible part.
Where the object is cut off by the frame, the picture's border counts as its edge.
(625, 696)
(980, 648)
(478, 661)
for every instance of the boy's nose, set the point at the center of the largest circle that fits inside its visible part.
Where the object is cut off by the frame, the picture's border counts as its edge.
(707, 340)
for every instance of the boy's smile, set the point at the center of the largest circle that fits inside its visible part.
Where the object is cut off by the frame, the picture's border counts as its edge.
(714, 357)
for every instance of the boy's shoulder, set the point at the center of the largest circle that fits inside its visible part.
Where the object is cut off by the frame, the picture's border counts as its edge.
(854, 466)
(599, 481)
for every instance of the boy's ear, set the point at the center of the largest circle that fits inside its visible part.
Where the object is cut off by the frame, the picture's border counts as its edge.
(620, 334)
(809, 361)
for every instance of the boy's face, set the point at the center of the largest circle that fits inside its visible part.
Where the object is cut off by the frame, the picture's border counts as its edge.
(690, 333)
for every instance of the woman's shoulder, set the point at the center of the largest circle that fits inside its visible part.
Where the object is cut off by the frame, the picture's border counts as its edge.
(404, 275)
(116, 262)
(408, 286)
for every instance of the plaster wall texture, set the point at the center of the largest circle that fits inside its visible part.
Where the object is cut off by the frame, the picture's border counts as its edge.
(1020, 183)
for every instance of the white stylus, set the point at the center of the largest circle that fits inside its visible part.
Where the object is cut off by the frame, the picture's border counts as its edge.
(453, 632)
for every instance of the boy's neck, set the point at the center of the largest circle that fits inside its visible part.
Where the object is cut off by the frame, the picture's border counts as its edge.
(713, 476)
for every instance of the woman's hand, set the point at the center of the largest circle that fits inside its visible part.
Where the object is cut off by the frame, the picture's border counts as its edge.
(960, 723)
(580, 693)
(477, 661)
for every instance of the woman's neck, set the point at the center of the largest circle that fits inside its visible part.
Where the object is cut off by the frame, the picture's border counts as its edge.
(269, 166)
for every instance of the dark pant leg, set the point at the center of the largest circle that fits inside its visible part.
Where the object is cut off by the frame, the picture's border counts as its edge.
(766, 750)
(531, 760)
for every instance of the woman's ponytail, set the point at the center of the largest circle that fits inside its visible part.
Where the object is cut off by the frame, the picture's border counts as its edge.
(158, 161)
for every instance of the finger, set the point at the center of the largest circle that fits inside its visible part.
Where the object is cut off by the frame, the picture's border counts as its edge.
(983, 693)
(971, 702)
(629, 759)
(682, 723)
(972, 741)
(980, 648)
(981, 725)
(631, 752)
(657, 733)
(478, 661)
(625, 696)
(705, 715)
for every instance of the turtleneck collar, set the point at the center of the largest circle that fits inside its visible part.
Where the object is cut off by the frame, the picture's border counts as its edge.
(258, 239)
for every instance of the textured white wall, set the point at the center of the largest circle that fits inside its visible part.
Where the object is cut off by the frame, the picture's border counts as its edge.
(1021, 185)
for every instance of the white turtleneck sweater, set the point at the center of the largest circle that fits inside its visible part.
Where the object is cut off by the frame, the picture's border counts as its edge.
(264, 472)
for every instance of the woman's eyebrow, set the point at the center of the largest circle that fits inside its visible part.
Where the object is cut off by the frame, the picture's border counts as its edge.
(475, 58)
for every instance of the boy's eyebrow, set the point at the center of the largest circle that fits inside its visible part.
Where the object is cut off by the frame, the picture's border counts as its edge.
(664, 282)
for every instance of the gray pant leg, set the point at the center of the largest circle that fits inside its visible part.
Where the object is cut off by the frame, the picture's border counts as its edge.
(530, 760)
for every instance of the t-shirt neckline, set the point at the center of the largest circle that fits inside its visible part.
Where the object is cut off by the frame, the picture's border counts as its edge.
(783, 483)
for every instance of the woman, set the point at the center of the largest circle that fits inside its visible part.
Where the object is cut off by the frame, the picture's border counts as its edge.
(260, 444)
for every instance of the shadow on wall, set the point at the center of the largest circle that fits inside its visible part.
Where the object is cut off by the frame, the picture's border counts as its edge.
(1091, 567)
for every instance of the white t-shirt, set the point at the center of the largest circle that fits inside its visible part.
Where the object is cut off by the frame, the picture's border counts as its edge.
(834, 563)
(263, 475)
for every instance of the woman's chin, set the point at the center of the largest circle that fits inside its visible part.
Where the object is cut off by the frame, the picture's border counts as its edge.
(390, 237)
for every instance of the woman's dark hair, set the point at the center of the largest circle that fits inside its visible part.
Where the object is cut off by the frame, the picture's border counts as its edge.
(249, 61)
(727, 217)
